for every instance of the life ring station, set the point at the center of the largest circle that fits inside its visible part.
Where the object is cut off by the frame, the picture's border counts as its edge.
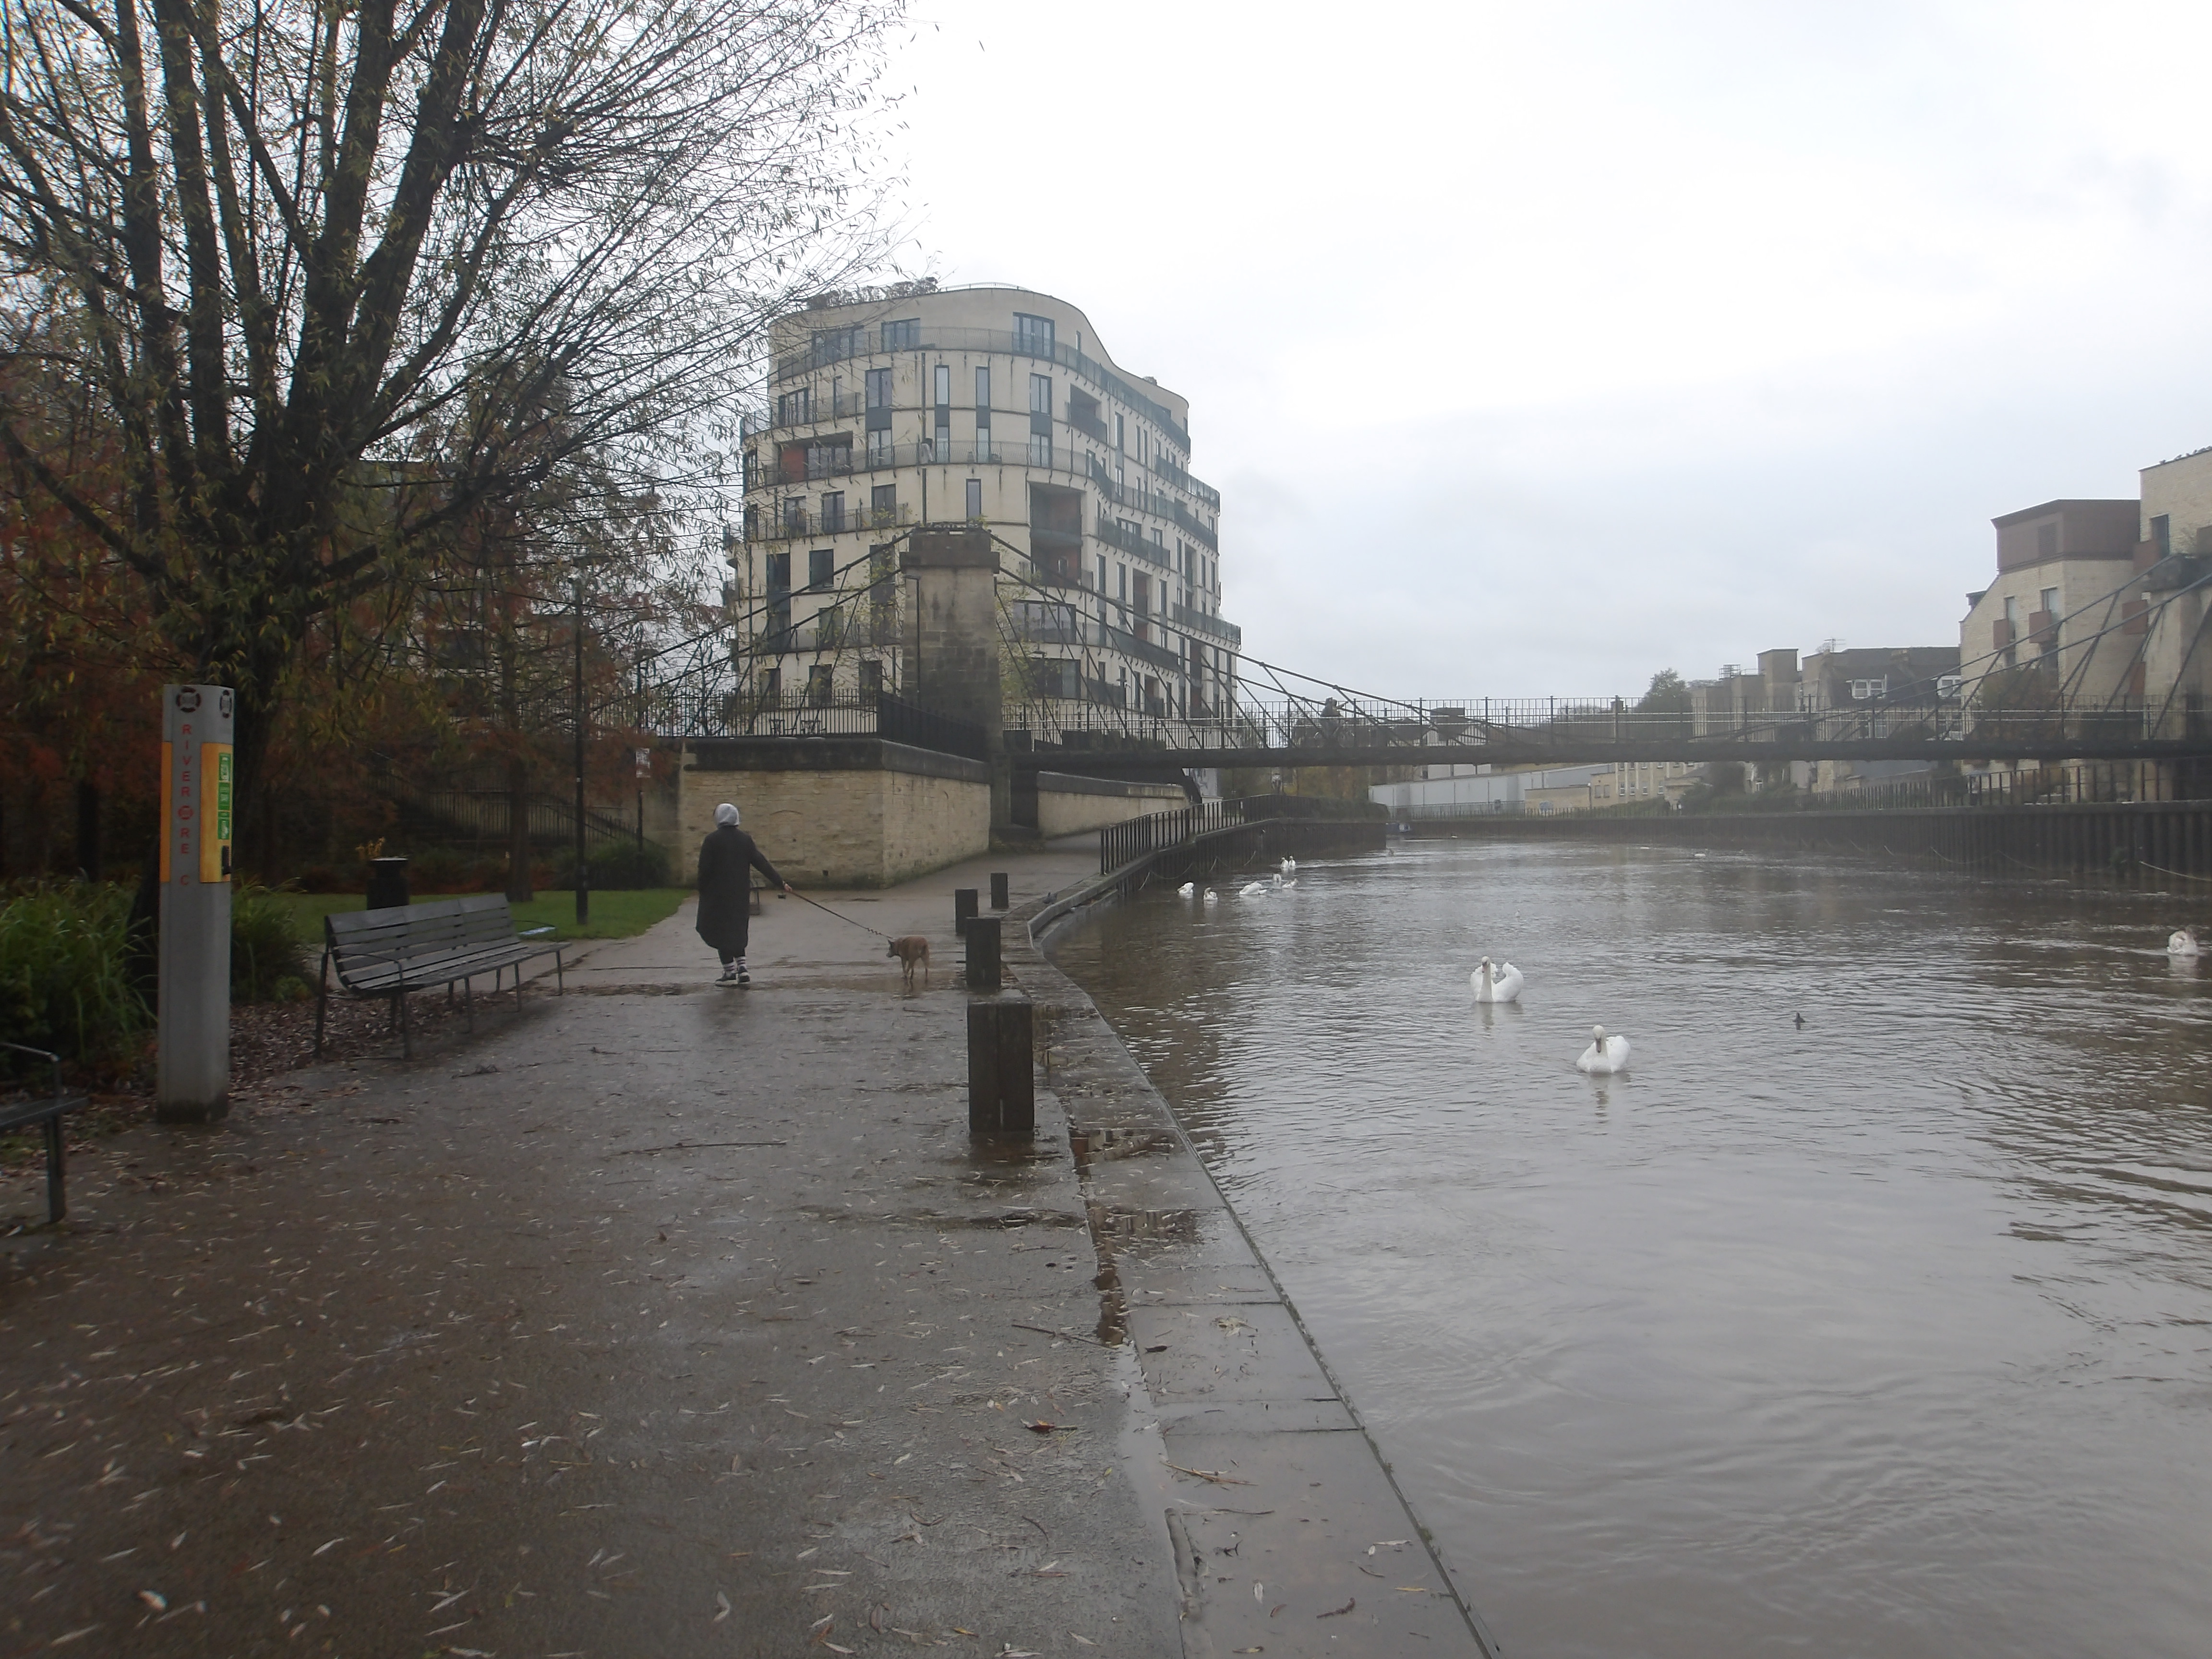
(198, 801)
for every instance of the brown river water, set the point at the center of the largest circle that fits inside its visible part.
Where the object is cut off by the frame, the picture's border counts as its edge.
(1890, 1334)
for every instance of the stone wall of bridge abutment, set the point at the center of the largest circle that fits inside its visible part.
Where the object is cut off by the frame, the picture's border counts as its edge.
(2132, 841)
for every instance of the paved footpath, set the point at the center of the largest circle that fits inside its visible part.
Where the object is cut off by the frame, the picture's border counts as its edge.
(662, 1319)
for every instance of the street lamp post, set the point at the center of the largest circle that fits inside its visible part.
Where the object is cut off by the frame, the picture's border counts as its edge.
(583, 873)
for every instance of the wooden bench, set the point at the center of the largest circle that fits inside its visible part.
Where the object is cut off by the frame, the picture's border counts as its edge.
(45, 1111)
(416, 947)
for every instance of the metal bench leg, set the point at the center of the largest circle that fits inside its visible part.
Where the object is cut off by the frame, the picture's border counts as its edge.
(560, 974)
(56, 1205)
(322, 1000)
(406, 1030)
(468, 1004)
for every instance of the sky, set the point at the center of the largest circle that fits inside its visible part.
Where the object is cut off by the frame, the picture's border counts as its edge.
(1537, 348)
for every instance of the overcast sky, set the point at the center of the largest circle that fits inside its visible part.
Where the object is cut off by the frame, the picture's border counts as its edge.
(1536, 347)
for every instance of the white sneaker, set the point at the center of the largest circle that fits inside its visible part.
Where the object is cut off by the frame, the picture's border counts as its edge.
(744, 978)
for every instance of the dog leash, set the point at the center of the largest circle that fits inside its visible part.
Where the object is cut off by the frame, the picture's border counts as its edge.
(841, 916)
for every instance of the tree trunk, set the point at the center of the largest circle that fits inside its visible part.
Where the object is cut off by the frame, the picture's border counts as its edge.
(518, 779)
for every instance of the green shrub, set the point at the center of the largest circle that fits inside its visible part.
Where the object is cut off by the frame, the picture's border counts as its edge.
(64, 975)
(615, 865)
(264, 944)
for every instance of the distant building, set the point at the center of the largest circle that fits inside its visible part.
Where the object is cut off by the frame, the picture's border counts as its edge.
(992, 406)
(2174, 677)
(1480, 791)
(2056, 606)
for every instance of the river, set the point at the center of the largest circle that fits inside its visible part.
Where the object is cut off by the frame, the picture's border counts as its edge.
(1888, 1334)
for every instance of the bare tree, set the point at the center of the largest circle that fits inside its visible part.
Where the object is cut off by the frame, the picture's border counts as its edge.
(288, 246)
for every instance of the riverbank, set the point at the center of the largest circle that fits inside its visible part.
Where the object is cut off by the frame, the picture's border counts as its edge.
(666, 1318)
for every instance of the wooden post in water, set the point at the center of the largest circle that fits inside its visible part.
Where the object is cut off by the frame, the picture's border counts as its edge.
(964, 908)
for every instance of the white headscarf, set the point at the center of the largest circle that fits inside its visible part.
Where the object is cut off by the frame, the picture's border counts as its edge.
(726, 813)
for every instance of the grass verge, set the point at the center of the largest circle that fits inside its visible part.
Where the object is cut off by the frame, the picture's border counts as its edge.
(615, 914)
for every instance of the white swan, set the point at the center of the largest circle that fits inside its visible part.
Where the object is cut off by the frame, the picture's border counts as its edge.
(1605, 1054)
(1213, 898)
(1496, 984)
(1186, 889)
(2181, 944)
(1289, 865)
(1252, 889)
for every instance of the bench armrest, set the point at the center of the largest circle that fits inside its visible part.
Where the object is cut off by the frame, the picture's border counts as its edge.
(531, 932)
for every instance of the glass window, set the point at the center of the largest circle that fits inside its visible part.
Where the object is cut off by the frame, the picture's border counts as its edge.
(1040, 449)
(880, 446)
(975, 498)
(943, 386)
(1121, 433)
(883, 503)
(835, 344)
(1033, 336)
(833, 512)
(819, 683)
(879, 388)
(983, 396)
(904, 335)
(1040, 394)
(2051, 600)
(821, 568)
(771, 687)
(778, 573)
(871, 678)
(795, 408)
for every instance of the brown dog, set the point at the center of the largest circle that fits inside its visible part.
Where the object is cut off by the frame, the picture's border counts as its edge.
(910, 950)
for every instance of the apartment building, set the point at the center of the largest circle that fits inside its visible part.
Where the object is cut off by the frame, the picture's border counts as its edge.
(997, 407)
(2167, 612)
(2058, 604)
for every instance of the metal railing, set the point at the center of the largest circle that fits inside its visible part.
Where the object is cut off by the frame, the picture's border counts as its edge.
(1121, 844)
(1186, 616)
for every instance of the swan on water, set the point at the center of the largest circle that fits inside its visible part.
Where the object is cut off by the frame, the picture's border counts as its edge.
(1605, 1054)
(1211, 897)
(1186, 889)
(1496, 984)
(2181, 943)
(1289, 865)
(1252, 889)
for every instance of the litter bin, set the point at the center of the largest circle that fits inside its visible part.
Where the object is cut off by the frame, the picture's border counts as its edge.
(387, 884)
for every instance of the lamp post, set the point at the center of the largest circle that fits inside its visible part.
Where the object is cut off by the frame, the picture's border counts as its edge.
(583, 873)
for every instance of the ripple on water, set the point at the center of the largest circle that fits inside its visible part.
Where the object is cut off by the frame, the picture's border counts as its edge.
(1891, 1334)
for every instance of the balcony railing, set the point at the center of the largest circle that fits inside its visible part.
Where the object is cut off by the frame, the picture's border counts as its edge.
(821, 353)
(1133, 543)
(1185, 617)
(802, 524)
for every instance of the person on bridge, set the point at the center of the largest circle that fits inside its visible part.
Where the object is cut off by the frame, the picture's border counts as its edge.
(727, 858)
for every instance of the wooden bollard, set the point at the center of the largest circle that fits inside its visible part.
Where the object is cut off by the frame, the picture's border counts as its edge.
(964, 906)
(998, 899)
(982, 953)
(1001, 1081)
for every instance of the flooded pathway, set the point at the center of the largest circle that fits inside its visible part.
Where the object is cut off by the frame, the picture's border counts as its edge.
(1890, 1333)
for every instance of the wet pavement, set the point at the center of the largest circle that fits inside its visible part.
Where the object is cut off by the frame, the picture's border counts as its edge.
(662, 1318)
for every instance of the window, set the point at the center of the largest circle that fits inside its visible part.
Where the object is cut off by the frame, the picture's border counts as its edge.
(833, 512)
(819, 683)
(880, 446)
(1121, 434)
(1864, 690)
(871, 678)
(975, 498)
(2049, 606)
(821, 568)
(778, 573)
(833, 345)
(2161, 532)
(1102, 575)
(1041, 395)
(794, 516)
(944, 378)
(1122, 581)
(1040, 449)
(883, 593)
(771, 687)
(904, 335)
(943, 387)
(1033, 336)
(880, 389)
(795, 408)
(883, 504)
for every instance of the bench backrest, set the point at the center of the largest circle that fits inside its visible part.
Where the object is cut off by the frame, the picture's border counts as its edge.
(406, 930)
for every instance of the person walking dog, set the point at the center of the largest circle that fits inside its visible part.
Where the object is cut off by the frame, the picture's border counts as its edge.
(727, 858)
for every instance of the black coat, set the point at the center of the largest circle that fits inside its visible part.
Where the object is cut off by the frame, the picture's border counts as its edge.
(727, 859)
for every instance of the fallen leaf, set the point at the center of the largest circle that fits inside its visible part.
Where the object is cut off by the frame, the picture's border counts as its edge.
(721, 1601)
(155, 1600)
(1339, 1613)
